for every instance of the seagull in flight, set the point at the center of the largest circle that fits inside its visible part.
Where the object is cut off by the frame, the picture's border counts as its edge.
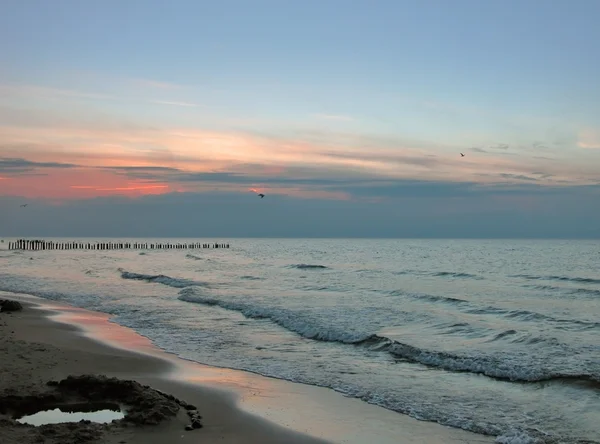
(24, 205)
(462, 155)
(254, 190)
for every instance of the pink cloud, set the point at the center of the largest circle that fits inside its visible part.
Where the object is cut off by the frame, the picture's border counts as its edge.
(95, 144)
(589, 138)
(78, 183)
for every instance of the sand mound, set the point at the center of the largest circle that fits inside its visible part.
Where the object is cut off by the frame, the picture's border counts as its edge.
(142, 404)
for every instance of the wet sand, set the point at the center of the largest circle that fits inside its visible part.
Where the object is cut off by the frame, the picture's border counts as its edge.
(48, 341)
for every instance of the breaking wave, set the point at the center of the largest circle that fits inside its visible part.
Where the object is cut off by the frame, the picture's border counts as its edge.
(162, 279)
(285, 318)
(558, 278)
(496, 367)
(521, 315)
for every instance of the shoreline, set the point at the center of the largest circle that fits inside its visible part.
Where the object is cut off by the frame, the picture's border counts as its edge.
(236, 406)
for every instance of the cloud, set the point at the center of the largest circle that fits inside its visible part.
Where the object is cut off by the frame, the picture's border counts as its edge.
(18, 166)
(589, 138)
(127, 155)
(337, 117)
(519, 149)
(541, 174)
(304, 182)
(130, 188)
(38, 92)
(521, 177)
(34, 91)
(155, 84)
(539, 146)
(184, 104)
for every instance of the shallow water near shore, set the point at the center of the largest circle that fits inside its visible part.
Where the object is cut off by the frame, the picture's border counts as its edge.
(496, 337)
(59, 415)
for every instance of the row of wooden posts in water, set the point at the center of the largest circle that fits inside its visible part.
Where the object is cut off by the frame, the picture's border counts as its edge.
(41, 245)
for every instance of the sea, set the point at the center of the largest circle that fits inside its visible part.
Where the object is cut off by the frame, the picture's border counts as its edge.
(498, 337)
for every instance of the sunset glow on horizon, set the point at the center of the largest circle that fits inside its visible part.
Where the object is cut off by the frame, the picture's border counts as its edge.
(43, 159)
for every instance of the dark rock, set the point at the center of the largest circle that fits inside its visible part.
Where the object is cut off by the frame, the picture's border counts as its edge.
(188, 428)
(190, 407)
(196, 424)
(8, 306)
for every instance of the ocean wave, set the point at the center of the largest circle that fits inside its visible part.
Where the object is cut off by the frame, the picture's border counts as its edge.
(196, 258)
(586, 291)
(285, 318)
(526, 315)
(492, 366)
(252, 278)
(521, 315)
(455, 275)
(558, 278)
(545, 287)
(566, 290)
(308, 267)
(503, 335)
(162, 279)
(450, 274)
(430, 297)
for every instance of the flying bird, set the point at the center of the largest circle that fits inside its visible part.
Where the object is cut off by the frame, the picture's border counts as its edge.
(462, 155)
(24, 205)
(254, 190)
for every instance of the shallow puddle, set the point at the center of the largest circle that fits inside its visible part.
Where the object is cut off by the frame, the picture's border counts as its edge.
(99, 413)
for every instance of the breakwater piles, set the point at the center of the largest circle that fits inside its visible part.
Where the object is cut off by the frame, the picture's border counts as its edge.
(42, 245)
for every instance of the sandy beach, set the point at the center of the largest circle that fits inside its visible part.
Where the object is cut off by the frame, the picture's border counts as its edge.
(48, 342)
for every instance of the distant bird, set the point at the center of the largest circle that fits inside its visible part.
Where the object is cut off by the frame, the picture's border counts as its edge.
(462, 155)
(24, 205)
(261, 195)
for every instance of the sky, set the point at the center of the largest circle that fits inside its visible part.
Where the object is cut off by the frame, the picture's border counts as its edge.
(147, 118)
